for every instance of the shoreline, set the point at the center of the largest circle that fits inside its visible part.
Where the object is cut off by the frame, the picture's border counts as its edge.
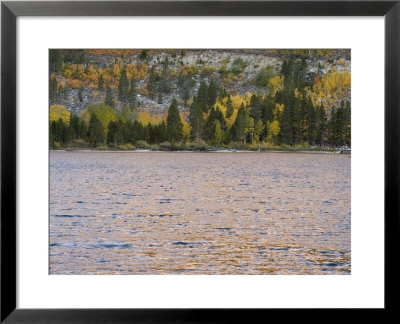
(84, 150)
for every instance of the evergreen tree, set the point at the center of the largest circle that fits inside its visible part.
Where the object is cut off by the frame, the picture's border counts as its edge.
(114, 134)
(192, 109)
(146, 132)
(311, 122)
(209, 127)
(196, 119)
(128, 132)
(96, 131)
(267, 106)
(255, 107)
(348, 124)
(185, 85)
(341, 119)
(217, 133)
(109, 99)
(100, 85)
(202, 96)
(70, 133)
(212, 93)
(56, 60)
(152, 84)
(143, 55)
(53, 130)
(163, 132)
(74, 122)
(60, 131)
(229, 107)
(83, 129)
(300, 70)
(332, 128)
(53, 89)
(288, 73)
(123, 86)
(222, 93)
(132, 93)
(174, 123)
(286, 120)
(165, 85)
(238, 128)
(300, 124)
(320, 134)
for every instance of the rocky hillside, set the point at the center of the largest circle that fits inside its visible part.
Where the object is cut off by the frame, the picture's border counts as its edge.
(75, 80)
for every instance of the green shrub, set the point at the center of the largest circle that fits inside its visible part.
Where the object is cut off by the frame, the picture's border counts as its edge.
(142, 145)
(127, 147)
(154, 147)
(238, 66)
(262, 78)
(198, 145)
(56, 146)
(165, 146)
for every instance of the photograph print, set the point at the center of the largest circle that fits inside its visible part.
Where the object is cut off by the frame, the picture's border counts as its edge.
(200, 161)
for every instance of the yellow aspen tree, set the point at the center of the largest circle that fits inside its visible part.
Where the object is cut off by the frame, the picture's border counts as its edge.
(57, 112)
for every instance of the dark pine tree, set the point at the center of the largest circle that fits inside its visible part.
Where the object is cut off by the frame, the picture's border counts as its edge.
(100, 85)
(123, 86)
(96, 131)
(255, 108)
(185, 85)
(287, 118)
(348, 123)
(202, 96)
(80, 94)
(153, 83)
(83, 129)
(320, 133)
(196, 120)
(132, 93)
(229, 107)
(267, 106)
(311, 128)
(212, 93)
(60, 130)
(174, 123)
(70, 134)
(109, 99)
(56, 60)
(238, 128)
(114, 134)
(53, 89)
(332, 128)
(74, 122)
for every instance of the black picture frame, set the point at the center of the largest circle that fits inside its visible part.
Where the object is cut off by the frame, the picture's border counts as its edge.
(9, 13)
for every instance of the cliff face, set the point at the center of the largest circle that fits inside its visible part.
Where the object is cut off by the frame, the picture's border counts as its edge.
(235, 71)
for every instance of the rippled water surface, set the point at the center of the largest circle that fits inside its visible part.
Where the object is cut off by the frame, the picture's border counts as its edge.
(199, 213)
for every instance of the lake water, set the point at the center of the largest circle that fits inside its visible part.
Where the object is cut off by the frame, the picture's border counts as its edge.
(199, 213)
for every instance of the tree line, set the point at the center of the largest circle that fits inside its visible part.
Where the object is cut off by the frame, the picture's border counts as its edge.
(290, 113)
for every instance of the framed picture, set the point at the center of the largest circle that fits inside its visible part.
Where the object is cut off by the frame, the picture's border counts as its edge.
(260, 77)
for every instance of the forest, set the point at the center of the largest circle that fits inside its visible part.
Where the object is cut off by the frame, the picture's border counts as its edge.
(199, 99)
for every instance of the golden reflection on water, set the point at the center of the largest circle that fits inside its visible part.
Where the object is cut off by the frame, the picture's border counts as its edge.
(199, 213)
